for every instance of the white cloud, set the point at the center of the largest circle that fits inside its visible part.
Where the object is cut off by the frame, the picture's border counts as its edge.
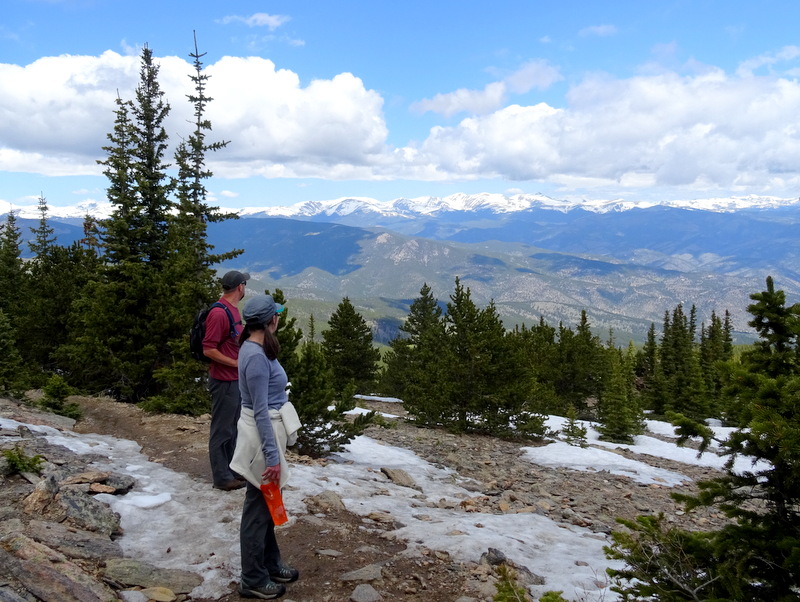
(470, 101)
(58, 111)
(601, 31)
(704, 131)
(533, 74)
(229, 194)
(787, 53)
(272, 22)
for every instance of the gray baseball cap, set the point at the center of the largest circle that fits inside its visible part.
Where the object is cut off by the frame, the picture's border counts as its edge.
(260, 309)
(233, 279)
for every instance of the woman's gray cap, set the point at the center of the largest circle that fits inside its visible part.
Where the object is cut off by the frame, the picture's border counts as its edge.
(260, 309)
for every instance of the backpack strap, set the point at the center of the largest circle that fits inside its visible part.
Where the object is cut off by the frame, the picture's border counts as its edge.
(230, 316)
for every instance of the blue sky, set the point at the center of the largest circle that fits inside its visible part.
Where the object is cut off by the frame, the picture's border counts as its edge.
(657, 100)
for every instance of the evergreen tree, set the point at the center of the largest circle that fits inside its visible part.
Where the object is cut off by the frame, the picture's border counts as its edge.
(157, 262)
(416, 362)
(680, 362)
(478, 366)
(289, 335)
(106, 351)
(582, 364)
(57, 276)
(650, 370)
(757, 555)
(15, 283)
(188, 275)
(10, 359)
(573, 432)
(538, 358)
(715, 348)
(620, 416)
(348, 349)
(326, 427)
(12, 271)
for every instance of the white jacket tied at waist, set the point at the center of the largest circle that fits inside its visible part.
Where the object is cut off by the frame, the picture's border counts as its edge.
(248, 458)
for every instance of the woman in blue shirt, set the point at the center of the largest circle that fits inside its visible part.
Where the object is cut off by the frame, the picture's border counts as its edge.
(260, 448)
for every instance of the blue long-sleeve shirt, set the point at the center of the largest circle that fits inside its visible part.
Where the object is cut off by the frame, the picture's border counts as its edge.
(262, 386)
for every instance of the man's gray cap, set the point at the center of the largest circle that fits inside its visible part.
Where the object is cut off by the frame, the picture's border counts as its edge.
(233, 279)
(260, 309)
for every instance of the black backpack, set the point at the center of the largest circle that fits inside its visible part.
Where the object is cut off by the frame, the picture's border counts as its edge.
(198, 331)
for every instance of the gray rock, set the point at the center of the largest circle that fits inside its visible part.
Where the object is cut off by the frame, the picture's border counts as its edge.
(400, 477)
(73, 542)
(493, 557)
(324, 502)
(9, 595)
(48, 574)
(365, 593)
(371, 572)
(88, 513)
(132, 572)
(133, 595)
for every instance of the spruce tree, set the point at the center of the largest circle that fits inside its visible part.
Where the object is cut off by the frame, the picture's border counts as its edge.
(10, 359)
(538, 358)
(649, 369)
(685, 391)
(582, 364)
(620, 416)
(118, 339)
(416, 362)
(348, 349)
(15, 283)
(13, 278)
(757, 555)
(477, 365)
(188, 273)
(326, 427)
(57, 276)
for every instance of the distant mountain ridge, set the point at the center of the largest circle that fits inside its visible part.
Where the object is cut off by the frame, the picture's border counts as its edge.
(530, 255)
(430, 205)
(499, 204)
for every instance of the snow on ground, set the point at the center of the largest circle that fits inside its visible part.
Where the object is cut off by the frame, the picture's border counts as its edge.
(176, 522)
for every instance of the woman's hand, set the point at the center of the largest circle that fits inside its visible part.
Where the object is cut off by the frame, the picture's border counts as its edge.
(272, 473)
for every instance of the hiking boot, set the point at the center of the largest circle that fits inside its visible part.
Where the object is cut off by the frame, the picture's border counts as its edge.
(231, 485)
(270, 591)
(284, 574)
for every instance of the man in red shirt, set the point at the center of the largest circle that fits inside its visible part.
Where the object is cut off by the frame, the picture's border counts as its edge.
(221, 346)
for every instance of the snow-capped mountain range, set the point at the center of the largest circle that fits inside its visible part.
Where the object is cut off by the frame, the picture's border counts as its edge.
(500, 203)
(428, 206)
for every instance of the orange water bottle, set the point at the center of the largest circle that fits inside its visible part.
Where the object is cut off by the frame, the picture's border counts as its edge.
(272, 495)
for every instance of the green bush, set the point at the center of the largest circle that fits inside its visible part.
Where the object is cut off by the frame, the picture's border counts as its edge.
(20, 462)
(56, 392)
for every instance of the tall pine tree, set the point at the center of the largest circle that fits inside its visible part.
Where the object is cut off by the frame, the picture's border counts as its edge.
(348, 349)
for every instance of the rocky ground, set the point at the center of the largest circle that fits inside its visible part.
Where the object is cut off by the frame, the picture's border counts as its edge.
(332, 544)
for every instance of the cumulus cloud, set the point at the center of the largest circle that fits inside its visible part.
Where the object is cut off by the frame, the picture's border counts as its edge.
(707, 129)
(58, 111)
(272, 22)
(533, 74)
(702, 131)
(601, 31)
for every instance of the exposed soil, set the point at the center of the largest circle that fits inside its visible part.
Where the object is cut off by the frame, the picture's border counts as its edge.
(505, 483)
